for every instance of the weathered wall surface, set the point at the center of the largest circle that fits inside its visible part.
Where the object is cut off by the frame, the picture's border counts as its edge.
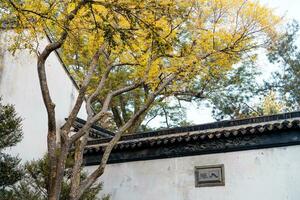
(265, 174)
(19, 85)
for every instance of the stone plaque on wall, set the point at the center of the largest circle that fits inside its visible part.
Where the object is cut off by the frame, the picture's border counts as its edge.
(212, 175)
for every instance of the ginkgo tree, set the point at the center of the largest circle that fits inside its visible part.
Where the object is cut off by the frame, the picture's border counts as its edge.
(158, 47)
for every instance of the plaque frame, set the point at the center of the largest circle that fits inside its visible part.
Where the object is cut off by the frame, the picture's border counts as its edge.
(210, 183)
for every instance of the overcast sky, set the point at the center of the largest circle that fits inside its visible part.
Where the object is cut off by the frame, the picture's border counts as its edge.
(290, 9)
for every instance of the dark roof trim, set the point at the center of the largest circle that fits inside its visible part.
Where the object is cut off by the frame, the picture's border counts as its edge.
(96, 131)
(192, 148)
(226, 136)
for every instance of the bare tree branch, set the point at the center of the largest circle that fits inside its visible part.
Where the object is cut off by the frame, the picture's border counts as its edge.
(103, 111)
(99, 171)
(82, 91)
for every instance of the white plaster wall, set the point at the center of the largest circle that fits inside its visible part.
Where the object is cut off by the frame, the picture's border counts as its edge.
(19, 85)
(266, 174)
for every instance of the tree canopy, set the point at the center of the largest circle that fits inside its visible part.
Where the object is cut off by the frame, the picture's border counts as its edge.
(146, 41)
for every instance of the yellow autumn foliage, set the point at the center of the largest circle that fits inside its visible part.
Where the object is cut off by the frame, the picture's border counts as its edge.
(271, 105)
(189, 38)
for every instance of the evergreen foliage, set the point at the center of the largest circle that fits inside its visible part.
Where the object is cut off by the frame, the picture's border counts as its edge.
(34, 183)
(10, 135)
(286, 54)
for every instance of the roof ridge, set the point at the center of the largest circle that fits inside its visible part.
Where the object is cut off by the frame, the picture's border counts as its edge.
(209, 127)
(103, 132)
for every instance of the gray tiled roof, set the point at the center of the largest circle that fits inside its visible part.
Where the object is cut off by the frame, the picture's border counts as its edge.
(211, 131)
